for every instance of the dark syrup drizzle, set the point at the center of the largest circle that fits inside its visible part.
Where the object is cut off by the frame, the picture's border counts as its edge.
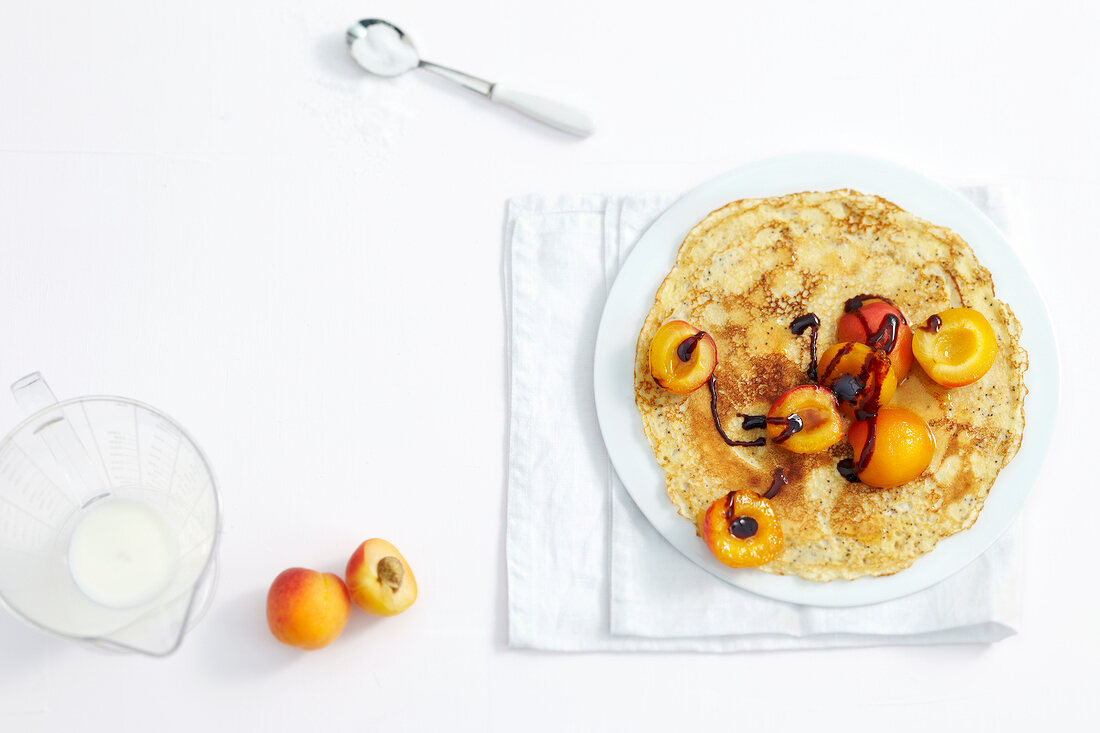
(840, 354)
(718, 422)
(791, 424)
(740, 527)
(854, 304)
(886, 337)
(847, 388)
(687, 346)
(932, 325)
(798, 327)
(851, 469)
(778, 482)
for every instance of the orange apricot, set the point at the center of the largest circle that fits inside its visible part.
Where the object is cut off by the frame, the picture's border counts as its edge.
(681, 357)
(862, 378)
(741, 530)
(901, 447)
(863, 320)
(805, 420)
(306, 608)
(955, 347)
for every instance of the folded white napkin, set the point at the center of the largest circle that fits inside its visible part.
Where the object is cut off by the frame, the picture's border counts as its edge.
(586, 570)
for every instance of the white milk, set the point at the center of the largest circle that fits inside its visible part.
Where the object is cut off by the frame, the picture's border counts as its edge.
(122, 554)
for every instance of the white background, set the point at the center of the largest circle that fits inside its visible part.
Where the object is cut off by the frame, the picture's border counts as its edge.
(206, 206)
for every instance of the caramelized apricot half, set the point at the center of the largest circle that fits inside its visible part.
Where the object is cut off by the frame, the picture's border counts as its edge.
(681, 357)
(805, 420)
(861, 377)
(901, 447)
(865, 323)
(741, 530)
(955, 347)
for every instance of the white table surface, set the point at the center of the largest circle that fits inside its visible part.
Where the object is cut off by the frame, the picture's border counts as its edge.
(206, 206)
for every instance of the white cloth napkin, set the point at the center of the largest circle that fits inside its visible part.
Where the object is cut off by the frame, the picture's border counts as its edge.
(586, 570)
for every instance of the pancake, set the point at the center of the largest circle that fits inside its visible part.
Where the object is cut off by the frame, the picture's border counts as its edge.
(742, 275)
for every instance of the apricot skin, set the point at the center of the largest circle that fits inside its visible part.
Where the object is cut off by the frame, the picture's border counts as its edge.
(851, 328)
(903, 448)
(306, 608)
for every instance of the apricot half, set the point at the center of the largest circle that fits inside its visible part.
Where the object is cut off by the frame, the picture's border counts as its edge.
(681, 357)
(379, 579)
(307, 608)
(955, 347)
(870, 380)
(817, 426)
(865, 321)
(902, 447)
(741, 530)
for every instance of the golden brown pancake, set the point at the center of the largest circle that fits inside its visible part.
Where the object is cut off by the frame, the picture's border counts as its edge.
(742, 274)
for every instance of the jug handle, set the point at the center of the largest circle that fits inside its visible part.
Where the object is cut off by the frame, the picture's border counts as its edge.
(34, 395)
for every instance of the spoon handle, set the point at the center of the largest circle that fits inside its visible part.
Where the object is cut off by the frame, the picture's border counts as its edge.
(473, 83)
(558, 115)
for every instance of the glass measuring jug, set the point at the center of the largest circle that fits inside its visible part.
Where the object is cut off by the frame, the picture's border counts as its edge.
(108, 521)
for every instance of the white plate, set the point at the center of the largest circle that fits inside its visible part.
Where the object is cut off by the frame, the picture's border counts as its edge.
(631, 298)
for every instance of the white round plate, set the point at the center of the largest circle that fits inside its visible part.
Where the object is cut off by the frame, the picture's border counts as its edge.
(632, 296)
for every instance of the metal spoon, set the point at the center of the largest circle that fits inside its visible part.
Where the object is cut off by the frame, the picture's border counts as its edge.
(382, 48)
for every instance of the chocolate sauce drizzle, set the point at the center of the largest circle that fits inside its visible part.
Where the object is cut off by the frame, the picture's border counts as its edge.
(840, 354)
(855, 303)
(740, 527)
(758, 422)
(851, 469)
(687, 346)
(791, 424)
(847, 388)
(886, 337)
(779, 480)
(932, 325)
(798, 327)
(718, 422)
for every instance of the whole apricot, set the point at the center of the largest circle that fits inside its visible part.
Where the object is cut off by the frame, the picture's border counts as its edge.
(863, 322)
(306, 608)
(901, 447)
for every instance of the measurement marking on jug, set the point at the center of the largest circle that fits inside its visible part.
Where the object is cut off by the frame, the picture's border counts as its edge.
(95, 442)
(46, 476)
(40, 520)
(175, 462)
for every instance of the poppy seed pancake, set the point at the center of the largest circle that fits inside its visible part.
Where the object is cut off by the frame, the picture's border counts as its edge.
(742, 275)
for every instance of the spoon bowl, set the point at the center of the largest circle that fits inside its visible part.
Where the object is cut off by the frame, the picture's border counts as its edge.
(383, 49)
